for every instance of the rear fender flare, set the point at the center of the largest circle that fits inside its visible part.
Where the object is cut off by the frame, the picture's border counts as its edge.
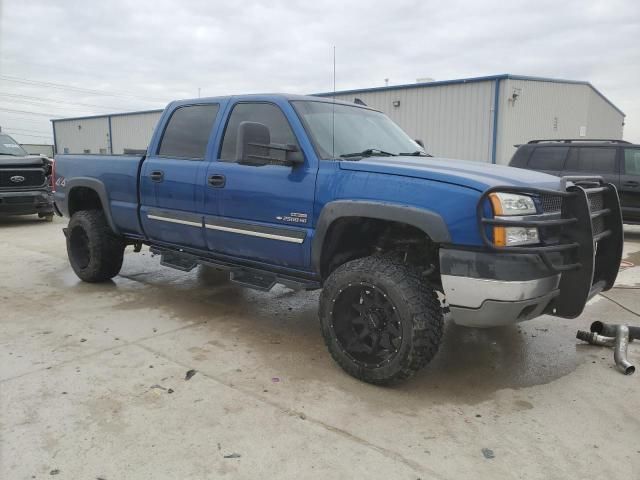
(98, 187)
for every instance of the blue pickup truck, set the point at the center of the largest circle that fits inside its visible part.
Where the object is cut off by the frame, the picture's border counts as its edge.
(319, 194)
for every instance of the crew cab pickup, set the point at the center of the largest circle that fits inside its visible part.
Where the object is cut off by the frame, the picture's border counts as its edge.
(314, 193)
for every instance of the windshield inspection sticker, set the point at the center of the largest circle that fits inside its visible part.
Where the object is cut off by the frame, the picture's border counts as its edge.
(293, 217)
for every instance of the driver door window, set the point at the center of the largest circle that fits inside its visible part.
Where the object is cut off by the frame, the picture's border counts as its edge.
(267, 114)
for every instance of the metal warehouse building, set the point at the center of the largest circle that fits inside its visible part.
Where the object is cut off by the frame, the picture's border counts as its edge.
(474, 118)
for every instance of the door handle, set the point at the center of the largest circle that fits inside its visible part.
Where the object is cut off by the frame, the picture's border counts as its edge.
(217, 181)
(631, 184)
(157, 176)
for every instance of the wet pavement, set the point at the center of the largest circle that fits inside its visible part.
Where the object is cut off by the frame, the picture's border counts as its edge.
(92, 383)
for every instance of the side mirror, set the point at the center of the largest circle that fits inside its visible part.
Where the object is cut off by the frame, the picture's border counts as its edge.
(254, 147)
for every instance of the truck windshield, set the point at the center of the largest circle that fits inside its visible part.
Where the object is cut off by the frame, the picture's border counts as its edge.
(8, 146)
(349, 132)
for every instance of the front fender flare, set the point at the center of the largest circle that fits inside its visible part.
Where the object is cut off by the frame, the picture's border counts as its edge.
(429, 222)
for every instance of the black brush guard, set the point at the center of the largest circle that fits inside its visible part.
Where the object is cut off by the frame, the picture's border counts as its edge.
(587, 257)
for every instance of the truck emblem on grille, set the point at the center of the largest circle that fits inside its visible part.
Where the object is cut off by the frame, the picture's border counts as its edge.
(17, 179)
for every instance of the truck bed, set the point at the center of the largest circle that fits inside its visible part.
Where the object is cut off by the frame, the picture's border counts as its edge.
(117, 178)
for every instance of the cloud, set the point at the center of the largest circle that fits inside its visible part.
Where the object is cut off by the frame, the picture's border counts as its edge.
(155, 51)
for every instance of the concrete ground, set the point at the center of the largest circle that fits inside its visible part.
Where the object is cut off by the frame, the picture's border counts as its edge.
(92, 384)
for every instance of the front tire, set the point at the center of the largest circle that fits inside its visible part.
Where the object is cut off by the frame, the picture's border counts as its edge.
(95, 251)
(380, 321)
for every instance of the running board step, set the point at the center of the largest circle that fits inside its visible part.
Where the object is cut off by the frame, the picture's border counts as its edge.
(257, 280)
(178, 260)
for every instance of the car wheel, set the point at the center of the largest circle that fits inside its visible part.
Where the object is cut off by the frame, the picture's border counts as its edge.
(380, 321)
(95, 251)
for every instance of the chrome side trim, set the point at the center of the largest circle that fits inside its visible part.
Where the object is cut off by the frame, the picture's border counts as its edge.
(254, 233)
(174, 220)
(471, 292)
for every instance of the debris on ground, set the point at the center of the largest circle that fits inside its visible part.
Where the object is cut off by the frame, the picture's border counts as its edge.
(160, 387)
(190, 374)
(83, 340)
(275, 379)
(233, 455)
(488, 453)
(55, 471)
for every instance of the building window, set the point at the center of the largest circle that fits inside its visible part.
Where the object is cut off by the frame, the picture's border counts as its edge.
(86, 150)
(65, 150)
(187, 132)
(103, 151)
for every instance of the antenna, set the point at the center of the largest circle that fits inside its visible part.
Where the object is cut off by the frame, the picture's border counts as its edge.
(333, 110)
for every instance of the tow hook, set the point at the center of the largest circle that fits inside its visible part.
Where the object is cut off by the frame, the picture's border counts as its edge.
(619, 343)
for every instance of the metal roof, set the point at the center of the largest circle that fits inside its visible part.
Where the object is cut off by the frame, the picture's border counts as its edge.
(504, 76)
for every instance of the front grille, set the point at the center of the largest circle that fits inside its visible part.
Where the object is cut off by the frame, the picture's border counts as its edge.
(551, 203)
(596, 202)
(32, 178)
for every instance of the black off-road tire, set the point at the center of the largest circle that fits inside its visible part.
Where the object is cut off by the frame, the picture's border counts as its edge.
(95, 251)
(417, 306)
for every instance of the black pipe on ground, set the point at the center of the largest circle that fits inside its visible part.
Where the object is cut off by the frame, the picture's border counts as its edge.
(609, 330)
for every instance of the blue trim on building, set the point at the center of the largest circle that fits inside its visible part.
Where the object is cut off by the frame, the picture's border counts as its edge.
(110, 137)
(124, 114)
(496, 108)
(489, 78)
(55, 139)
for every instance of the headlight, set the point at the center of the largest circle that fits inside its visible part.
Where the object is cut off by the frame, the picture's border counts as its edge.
(510, 204)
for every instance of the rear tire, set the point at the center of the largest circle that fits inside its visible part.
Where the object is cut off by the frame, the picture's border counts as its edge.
(95, 251)
(380, 321)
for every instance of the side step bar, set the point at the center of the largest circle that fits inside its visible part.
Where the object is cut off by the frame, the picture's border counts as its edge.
(246, 276)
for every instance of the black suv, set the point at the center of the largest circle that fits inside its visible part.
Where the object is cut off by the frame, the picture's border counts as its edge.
(25, 181)
(617, 161)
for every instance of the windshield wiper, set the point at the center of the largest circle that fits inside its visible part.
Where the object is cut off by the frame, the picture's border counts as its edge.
(368, 153)
(11, 154)
(417, 153)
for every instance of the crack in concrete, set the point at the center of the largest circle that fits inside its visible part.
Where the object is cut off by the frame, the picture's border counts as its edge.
(419, 468)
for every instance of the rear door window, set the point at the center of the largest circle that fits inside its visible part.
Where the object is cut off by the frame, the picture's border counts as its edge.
(632, 161)
(592, 160)
(187, 133)
(548, 158)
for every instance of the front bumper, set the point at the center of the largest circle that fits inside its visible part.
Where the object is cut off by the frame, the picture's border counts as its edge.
(579, 257)
(488, 290)
(26, 203)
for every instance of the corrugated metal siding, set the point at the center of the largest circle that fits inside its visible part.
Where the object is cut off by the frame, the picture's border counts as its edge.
(551, 110)
(80, 135)
(603, 121)
(133, 131)
(453, 120)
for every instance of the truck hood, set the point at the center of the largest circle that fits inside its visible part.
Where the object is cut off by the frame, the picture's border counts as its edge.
(477, 175)
(28, 161)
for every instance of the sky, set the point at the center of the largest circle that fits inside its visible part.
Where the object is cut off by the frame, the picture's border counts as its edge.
(76, 58)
